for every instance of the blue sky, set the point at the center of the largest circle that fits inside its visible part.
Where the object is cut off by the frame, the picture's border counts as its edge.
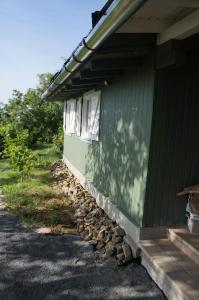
(35, 36)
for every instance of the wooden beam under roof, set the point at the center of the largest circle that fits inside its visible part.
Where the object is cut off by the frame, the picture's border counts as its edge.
(65, 96)
(126, 40)
(89, 81)
(125, 51)
(107, 74)
(76, 91)
(67, 91)
(113, 64)
(74, 88)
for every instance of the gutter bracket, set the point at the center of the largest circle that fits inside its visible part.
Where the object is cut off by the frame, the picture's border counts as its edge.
(67, 69)
(77, 60)
(85, 44)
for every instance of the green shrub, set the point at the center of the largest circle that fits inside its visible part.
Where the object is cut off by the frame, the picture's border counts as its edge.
(58, 141)
(21, 157)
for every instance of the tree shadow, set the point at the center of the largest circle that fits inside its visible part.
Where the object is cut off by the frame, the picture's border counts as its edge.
(117, 164)
(55, 267)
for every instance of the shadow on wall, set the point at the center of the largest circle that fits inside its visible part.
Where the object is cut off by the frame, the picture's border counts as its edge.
(118, 163)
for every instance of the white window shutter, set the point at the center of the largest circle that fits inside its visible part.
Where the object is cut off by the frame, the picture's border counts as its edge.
(67, 117)
(85, 118)
(78, 116)
(95, 115)
(90, 116)
(64, 116)
(70, 116)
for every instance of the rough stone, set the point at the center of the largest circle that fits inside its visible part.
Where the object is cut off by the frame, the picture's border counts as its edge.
(110, 249)
(87, 238)
(118, 231)
(117, 239)
(119, 249)
(101, 235)
(107, 237)
(90, 232)
(127, 252)
(93, 242)
(120, 257)
(92, 222)
(80, 228)
(79, 219)
(81, 213)
(100, 245)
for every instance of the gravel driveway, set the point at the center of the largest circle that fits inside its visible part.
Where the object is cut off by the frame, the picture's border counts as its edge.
(49, 267)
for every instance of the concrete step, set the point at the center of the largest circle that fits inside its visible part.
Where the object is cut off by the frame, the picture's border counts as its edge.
(186, 242)
(174, 272)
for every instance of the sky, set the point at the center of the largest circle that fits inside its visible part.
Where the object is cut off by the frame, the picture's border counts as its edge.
(36, 36)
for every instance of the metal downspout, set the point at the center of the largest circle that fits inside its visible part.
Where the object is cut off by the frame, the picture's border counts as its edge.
(116, 15)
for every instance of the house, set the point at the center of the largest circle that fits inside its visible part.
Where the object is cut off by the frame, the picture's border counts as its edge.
(131, 94)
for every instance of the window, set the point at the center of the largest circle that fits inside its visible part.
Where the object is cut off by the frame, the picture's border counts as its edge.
(82, 117)
(90, 116)
(70, 115)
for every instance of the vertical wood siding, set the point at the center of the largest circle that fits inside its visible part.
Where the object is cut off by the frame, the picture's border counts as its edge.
(174, 153)
(118, 163)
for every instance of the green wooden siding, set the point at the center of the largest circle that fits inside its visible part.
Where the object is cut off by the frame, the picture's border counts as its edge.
(118, 163)
(174, 153)
(75, 151)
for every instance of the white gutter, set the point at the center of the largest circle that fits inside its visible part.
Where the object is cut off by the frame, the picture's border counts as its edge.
(116, 15)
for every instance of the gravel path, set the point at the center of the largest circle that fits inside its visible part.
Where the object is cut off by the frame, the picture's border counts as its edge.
(49, 267)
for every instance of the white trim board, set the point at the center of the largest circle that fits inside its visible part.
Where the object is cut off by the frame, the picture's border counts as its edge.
(133, 232)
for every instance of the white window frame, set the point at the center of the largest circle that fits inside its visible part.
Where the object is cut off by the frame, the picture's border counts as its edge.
(91, 116)
(70, 117)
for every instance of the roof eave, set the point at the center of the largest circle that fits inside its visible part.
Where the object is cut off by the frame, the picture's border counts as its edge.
(115, 16)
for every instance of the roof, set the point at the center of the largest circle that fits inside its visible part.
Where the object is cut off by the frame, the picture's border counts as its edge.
(123, 33)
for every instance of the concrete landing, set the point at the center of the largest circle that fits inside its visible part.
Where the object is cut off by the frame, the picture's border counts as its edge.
(174, 272)
(188, 243)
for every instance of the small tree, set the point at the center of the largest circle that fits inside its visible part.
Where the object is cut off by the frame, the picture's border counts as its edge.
(21, 157)
(29, 111)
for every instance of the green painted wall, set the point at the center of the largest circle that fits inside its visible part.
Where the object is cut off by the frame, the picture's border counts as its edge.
(174, 154)
(76, 151)
(118, 163)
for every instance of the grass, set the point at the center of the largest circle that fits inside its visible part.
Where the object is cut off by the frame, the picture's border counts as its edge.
(35, 200)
